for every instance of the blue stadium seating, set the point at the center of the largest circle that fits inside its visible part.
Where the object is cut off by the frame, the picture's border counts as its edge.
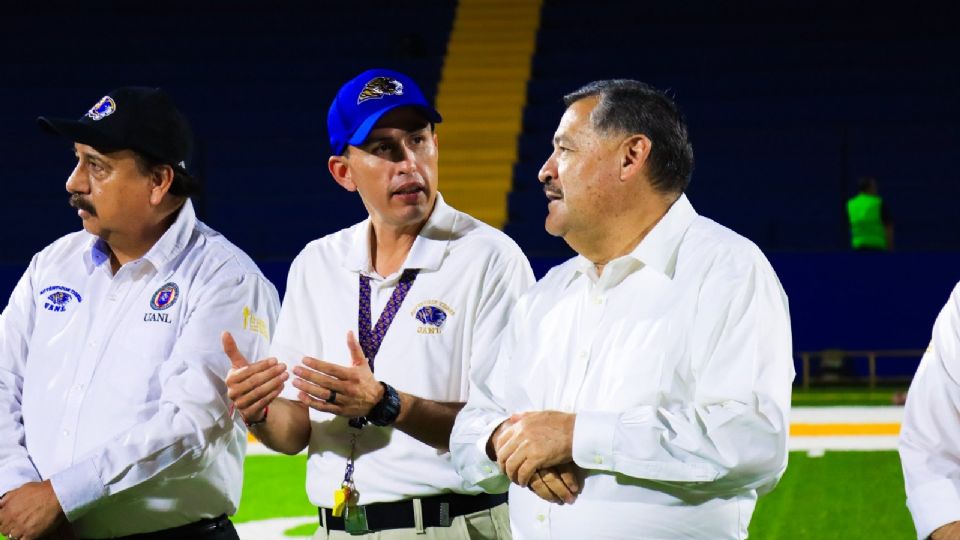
(254, 78)
(787, 104)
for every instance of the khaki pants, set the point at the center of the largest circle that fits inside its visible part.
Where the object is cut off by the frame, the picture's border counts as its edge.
(492, 524)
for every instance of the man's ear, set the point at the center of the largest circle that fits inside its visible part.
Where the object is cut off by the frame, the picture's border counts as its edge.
(635, 153)
(340, 172)
(161, 178)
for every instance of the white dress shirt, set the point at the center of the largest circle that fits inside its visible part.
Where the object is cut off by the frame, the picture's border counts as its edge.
(677, 361)
(470, 272)
(112, 385)
(930, 433)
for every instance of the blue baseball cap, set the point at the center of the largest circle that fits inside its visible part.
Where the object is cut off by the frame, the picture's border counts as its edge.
(364, 99)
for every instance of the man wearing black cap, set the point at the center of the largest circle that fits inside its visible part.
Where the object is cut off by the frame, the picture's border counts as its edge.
(427, 291)
(115, 420)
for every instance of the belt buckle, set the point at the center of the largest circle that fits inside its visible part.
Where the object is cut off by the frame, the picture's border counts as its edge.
(355, 520)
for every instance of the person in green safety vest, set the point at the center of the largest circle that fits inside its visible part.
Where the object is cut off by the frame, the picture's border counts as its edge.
(871, 226)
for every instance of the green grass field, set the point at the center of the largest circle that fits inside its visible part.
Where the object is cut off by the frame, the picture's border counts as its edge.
(842, 495)
(853, 396)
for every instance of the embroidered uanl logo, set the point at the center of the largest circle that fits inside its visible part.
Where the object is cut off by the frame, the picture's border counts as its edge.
(59, 297)
(165, 297)
(432, 315)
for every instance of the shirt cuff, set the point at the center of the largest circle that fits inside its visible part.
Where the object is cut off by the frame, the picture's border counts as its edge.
(78, 488)
(593, 434)
(933, 505)
(484, 472)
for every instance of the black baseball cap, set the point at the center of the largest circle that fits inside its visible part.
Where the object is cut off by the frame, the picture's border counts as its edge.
(131, 118)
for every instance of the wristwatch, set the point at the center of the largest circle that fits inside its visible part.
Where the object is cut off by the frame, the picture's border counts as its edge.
(386, 411)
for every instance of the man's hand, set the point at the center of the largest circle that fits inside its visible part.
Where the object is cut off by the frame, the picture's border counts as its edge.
(557, 484)
(251, 387)
(30, 512)
(534, 441)
(950, 531)
(492, 442)
(342, 390)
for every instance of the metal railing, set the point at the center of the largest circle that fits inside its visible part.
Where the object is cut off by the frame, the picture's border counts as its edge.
(871, 356)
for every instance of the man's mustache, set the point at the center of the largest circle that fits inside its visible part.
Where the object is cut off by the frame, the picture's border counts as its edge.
(80, 203)
(550, 188)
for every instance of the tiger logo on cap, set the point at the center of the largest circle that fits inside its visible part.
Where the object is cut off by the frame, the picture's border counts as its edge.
(103, 108)
(379, 87)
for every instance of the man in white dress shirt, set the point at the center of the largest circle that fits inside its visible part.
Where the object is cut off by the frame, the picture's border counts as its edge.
(930, 436)
(642, 389)
(427, 291)
(114, 419)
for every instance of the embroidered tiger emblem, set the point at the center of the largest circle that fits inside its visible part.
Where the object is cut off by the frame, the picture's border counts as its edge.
(379, 87)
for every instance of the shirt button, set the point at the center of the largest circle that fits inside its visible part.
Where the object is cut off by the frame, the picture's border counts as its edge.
(111, 297)
(541, 517)
(488, 469)
(597, 299)
(598, 459)
(583, 354)
(66, 433)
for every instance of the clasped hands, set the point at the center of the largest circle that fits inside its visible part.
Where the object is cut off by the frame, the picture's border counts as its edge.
(348, 391)
(535, 450)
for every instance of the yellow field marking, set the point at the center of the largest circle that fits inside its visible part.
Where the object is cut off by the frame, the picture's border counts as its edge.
(832, 430)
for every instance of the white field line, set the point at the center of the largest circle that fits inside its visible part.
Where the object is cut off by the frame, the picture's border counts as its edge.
(800, 415)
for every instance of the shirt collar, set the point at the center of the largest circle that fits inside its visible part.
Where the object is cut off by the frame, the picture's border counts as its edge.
(427, 252)
(165, 250)
(658, 249)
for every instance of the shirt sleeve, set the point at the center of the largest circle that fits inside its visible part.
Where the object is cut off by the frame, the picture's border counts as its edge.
(505, 283)
(193, 424)
(16, 327)
(930, 434)
(731, 434)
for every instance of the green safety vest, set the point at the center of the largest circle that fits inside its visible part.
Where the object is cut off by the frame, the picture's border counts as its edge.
(866, 226)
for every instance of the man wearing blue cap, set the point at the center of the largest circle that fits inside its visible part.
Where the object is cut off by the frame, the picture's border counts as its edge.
(114, 419)
(427, 291)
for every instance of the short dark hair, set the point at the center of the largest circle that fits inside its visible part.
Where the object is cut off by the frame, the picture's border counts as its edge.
(184, 185)
(631, 107)
(866, 183)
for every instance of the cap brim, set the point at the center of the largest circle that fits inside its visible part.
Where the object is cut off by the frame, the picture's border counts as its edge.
(77, 132)
(363, 131)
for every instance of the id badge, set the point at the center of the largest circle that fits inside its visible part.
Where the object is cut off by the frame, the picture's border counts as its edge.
(355, 521)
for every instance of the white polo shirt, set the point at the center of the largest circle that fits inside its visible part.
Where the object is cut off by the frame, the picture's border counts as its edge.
(112, 386)
(470, 272)
(930, 435)
(677, 360)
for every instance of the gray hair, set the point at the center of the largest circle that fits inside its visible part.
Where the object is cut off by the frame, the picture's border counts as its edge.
(631, 107)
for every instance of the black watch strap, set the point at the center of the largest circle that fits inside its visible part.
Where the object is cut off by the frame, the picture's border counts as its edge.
(386, 411)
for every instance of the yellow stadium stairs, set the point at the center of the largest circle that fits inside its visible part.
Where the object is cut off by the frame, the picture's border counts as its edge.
(481, 96)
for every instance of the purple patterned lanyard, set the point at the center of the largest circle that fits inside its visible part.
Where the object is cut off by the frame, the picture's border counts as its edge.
(372, 336)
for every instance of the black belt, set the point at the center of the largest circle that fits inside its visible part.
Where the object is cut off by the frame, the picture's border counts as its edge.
(438, 511)
(197, 529)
